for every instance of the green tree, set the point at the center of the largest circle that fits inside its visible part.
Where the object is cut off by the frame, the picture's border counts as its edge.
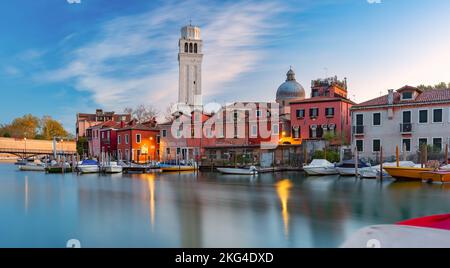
(441, 85)
(52, 128)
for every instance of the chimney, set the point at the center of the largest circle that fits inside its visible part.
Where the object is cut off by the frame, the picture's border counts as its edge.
(122, 124)
(390, 97)
(390, 101)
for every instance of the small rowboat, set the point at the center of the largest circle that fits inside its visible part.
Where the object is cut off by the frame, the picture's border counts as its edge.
(442, 176)
(406, 173)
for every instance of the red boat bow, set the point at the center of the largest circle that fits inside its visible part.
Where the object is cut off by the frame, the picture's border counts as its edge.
(435, 221)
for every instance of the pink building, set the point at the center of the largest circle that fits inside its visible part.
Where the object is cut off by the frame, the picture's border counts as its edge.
(94, 136)
(328, 110)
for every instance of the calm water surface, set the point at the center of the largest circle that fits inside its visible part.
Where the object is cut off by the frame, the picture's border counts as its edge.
(204, 210)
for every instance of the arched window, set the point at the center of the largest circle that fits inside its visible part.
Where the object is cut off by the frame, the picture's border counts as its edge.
(190, 47)
(195, 48)
(185, 47)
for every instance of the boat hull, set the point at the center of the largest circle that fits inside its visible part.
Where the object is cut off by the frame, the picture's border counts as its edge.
(346, 171)
(178, 168)
(436, 176)
(88, 169)
(113, 169)
(58, 170)
(318, 171)
(237, 171)
(31, 168)
(406, 173)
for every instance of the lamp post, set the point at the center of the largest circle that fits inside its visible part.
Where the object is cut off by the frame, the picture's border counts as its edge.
(25, 139)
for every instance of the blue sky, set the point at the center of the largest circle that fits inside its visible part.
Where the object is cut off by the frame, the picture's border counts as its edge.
(59, 58)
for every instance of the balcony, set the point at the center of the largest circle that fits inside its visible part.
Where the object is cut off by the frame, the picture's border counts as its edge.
(405, 128)
(358, 130)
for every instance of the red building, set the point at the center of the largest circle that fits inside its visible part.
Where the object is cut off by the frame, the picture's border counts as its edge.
(328, 110)
(108, 138)
(137, 143)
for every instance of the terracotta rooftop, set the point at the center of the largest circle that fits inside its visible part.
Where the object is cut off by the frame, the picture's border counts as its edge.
(322, 99)
(435, 95)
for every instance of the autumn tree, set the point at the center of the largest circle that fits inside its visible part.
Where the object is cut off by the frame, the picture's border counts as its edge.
(26, 126)
(51, 128)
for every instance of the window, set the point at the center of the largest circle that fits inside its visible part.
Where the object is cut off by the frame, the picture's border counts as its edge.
(376, 145)
(408, 95)
(190, 48)
(329, 112)
(164, 133)
(195, 48)
(158, 139)
(360, 145)
(406, 145)
(437, 144)
(275, 129)
(258, 113)
(376, 119)
(185, 47)
(254, 130)
(423, 116)
(359, 119)
(423, 141)
(119, 139)
(300, 113)
(126, 139)
(103, 135)
(296, 132)
(168, 151)
(108, 135)
(127, 154)
(138, 138)
(178, 151)
(437, 116)
(119, 154)
(314, 112)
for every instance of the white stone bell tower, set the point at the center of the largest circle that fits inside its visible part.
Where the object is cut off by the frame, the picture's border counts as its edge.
(190, 63)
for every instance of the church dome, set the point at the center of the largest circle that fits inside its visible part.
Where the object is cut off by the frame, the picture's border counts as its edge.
(290, 90)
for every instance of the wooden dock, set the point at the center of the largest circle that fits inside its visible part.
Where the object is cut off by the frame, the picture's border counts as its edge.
(139, 170)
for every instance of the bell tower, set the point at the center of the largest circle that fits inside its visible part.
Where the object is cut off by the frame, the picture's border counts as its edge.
(190, 67)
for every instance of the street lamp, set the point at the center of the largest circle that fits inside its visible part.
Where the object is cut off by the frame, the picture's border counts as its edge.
(25, 139)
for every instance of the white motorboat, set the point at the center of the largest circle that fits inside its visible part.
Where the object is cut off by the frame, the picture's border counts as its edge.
(320, 167)
(446, 167)
(32, 167)
(112, 167)
(239, 171)
(347, 167)
(89, 166)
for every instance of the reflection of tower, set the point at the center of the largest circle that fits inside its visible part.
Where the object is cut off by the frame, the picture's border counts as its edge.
(190, 67)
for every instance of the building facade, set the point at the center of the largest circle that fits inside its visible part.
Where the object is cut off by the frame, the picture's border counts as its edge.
(328, 110)
(407, 117)
(86, 120)
(137, 143)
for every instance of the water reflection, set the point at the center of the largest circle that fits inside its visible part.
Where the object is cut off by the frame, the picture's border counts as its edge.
(283, 188)
(26, 194)
(151, 190)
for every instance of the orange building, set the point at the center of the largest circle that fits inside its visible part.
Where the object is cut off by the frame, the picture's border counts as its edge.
(137, 143)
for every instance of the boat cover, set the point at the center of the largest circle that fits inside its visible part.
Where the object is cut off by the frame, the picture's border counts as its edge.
(89, 162)
(320, 163)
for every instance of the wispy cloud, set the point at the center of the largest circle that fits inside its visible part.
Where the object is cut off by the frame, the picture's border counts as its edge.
(133, 59)
(74, 1)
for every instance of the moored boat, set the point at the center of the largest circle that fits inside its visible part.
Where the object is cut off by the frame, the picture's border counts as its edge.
(439, 176)
(374, 171)
(347, 167)
(32, 167)
(239, 171)
(320, 167)
(88, 166)
(425, 232)
(177, 168)
(406, 173)
(112, 167)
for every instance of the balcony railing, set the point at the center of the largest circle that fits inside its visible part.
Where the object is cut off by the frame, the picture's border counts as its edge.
(406, 128)
(358, 129)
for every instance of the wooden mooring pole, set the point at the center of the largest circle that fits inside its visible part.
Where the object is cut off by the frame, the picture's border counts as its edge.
(397, 155)
(356, 161)
(381, 163)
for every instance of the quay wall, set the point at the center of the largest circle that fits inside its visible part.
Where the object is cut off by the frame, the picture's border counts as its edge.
(31, 144)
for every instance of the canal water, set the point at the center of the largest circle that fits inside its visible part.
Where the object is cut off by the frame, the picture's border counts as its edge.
(202, 210)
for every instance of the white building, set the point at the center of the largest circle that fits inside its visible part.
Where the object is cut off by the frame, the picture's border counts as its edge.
(190, 67)
(407, 117)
